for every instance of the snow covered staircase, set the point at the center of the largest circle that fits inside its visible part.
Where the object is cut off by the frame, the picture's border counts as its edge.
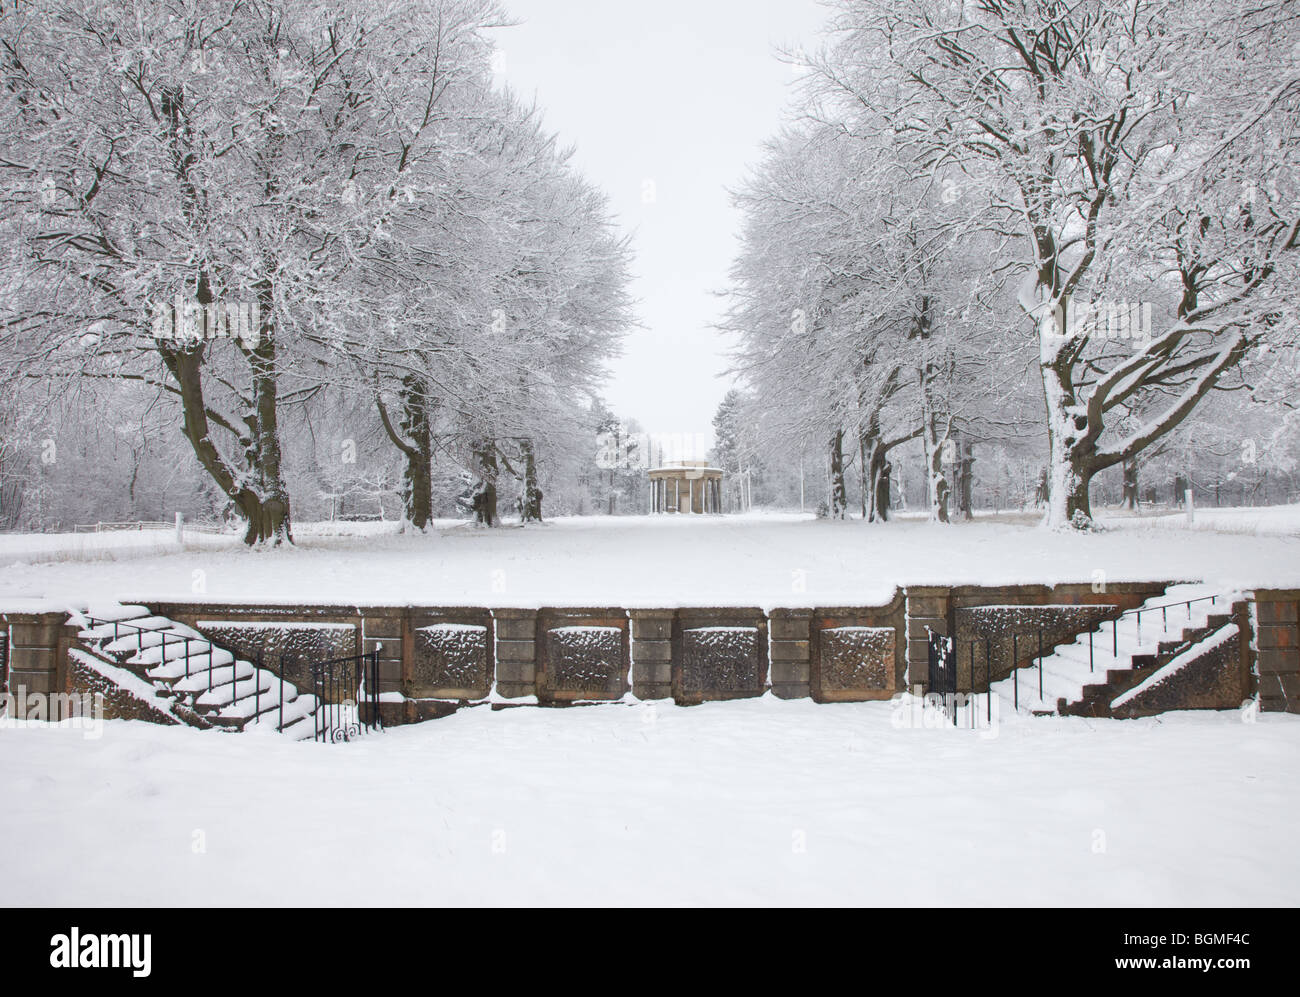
(197, 676)
(1084, 678)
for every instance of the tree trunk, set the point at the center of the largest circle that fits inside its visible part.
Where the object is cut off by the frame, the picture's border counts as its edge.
(839, 496)
(966, 477)
(259, 493)
(270, 520)
(864, 473)
(417, 475)
(875, 477)
(936, 481)
(415, 440)
(531, 509)
(1129, 498)
(936, 425)
(882, 478)
(1069, 462)
(485, 492)
(186, 367)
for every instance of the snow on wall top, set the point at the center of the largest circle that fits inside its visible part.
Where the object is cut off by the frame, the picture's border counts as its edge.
(273, 625)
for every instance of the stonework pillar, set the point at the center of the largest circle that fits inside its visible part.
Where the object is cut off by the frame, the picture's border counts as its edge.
(928, 609)
(383, 630)
(516, 652)
(652, 653)
(791, 652)
(34, 652)
(1278, 649)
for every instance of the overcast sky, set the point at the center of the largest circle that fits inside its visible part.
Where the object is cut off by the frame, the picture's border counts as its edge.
(667, 104)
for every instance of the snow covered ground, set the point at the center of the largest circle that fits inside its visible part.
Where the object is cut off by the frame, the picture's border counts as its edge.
(756, 801)
(109, 545)
(759, 559)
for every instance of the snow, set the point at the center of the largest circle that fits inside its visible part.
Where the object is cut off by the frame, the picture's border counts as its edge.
(652, 561)
(114, 545)
(273, 625)
(1277, 520)
(754, 801)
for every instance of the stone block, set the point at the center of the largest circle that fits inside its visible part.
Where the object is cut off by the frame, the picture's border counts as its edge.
(790, 650)
(383, 627)
(652, 624)
(451, 657)
(515, 625)
(32, 659)
(583, 654)
(719, 654)
(33, 682)
(854, 662)
(645, 651)
(1276, 611)
(790, 672)
(515, 650)
(1273, 661)
(35, 631)
(1282, 636)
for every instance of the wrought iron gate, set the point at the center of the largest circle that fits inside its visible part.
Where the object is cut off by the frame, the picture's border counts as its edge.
(347, 693)
(943, 672)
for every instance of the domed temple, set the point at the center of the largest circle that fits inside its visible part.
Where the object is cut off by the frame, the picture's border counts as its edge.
(686, 486)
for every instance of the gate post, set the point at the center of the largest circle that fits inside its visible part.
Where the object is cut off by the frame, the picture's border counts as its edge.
(928, 609)
(38, 657)
(382, 631)
(1278, 649)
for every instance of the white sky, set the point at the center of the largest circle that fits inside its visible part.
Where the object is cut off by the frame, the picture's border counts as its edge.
(679, 93)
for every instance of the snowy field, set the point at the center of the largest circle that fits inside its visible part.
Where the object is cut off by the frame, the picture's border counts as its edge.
(109, 545)
(761, 559)
(750, 802)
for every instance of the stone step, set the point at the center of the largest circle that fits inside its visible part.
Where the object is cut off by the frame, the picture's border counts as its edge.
(303, 729)
(301, 707)
(214, 659)
(1117, 655)
(219, 691)
(210, 680)
(249, 684)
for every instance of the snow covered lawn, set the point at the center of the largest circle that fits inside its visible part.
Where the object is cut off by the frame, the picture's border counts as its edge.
(759, 559)
(758, 801)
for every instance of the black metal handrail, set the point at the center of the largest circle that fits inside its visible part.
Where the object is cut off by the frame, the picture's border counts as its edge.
(1138, 611)
(139, 631)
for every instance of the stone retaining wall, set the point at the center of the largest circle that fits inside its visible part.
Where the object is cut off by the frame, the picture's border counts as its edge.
(432, 658)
